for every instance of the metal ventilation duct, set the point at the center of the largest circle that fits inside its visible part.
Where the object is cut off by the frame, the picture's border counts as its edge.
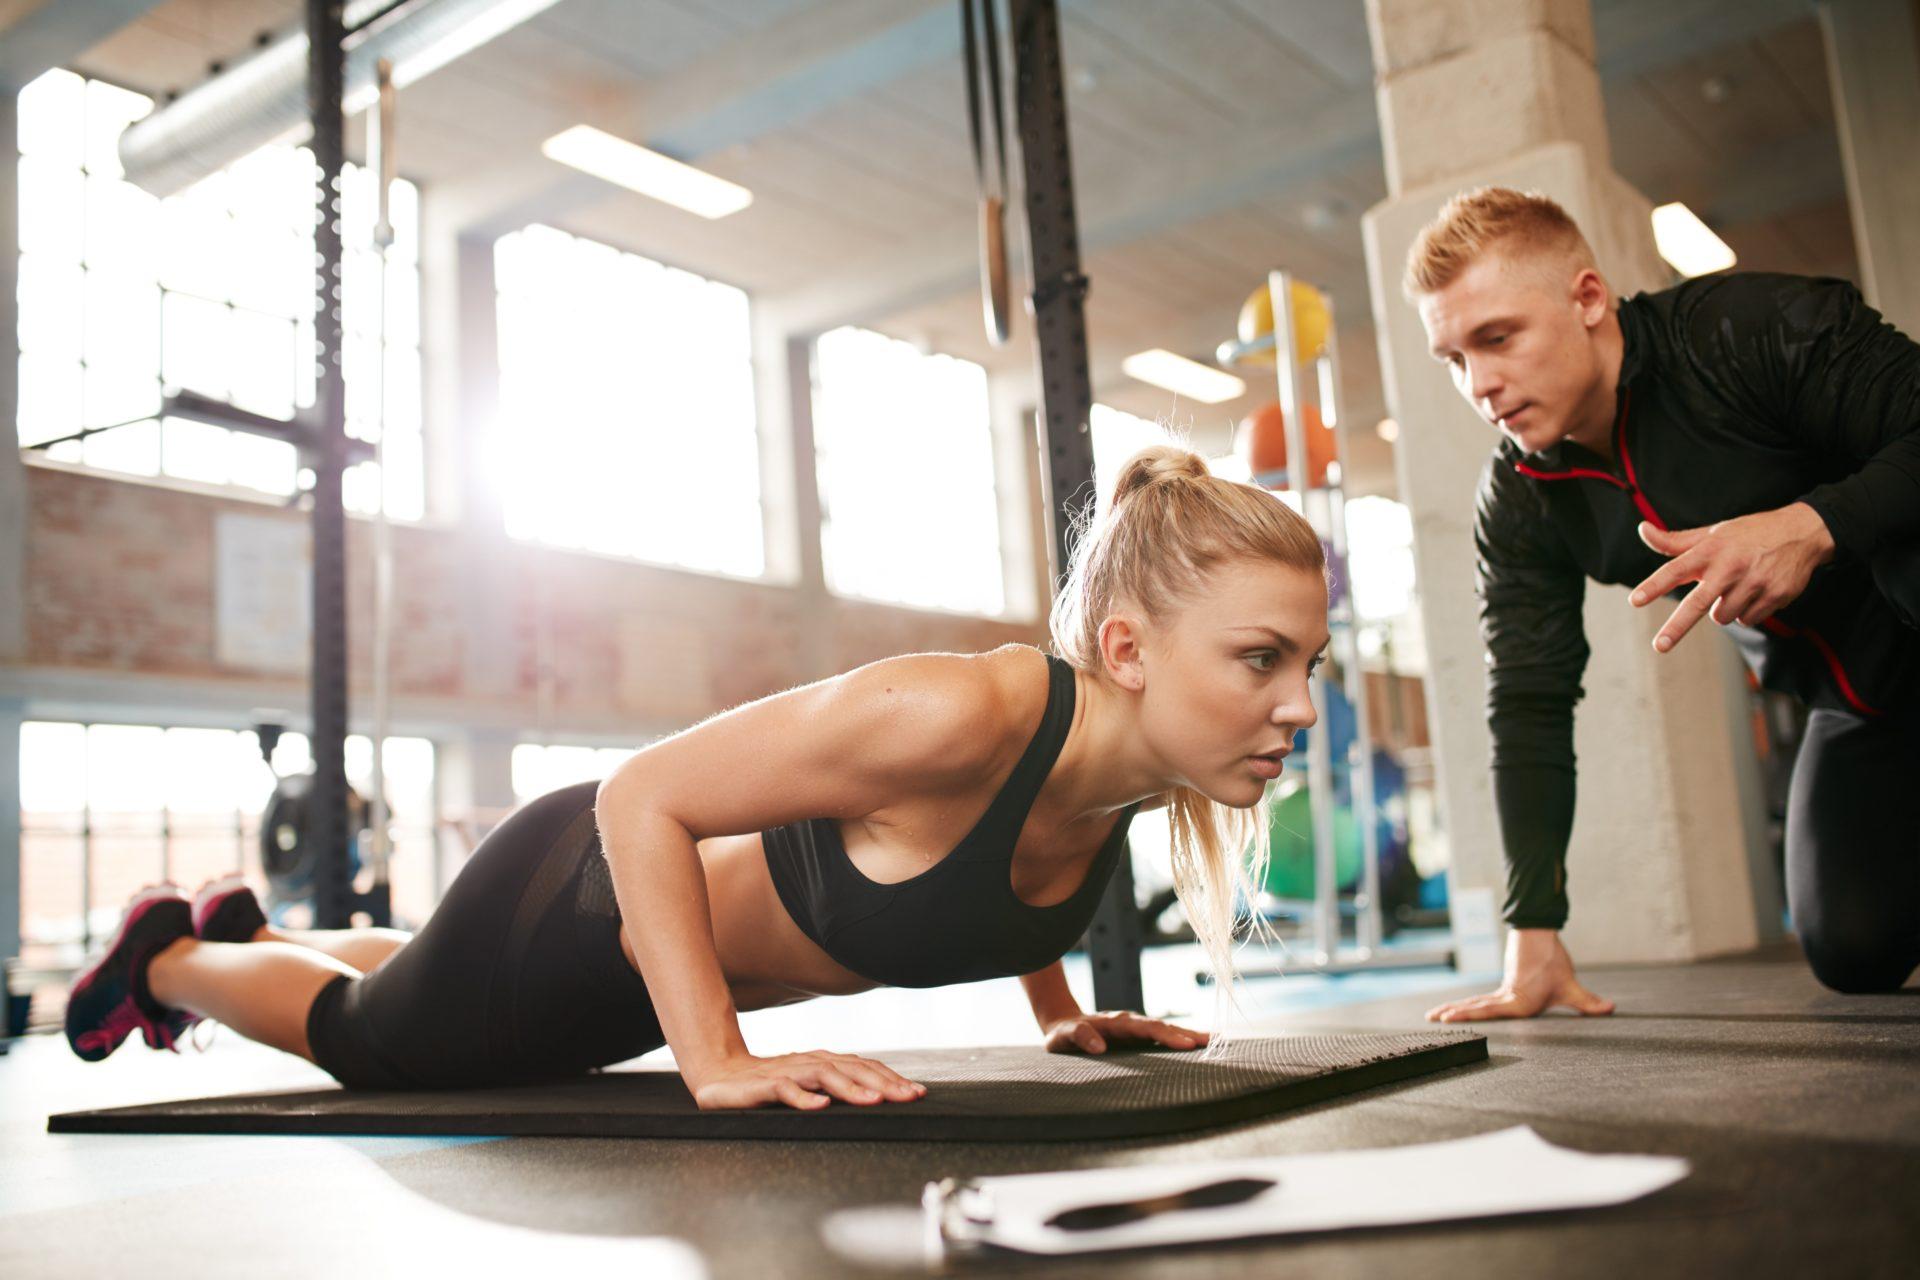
(264, 98)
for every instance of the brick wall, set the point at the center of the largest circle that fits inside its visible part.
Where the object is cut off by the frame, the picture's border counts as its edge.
(121, 577)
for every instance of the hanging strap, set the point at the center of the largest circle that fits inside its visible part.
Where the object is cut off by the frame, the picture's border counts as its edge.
(990, 181)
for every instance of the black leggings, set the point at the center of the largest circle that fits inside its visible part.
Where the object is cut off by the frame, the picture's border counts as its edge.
(1853, 850)
(516, 977)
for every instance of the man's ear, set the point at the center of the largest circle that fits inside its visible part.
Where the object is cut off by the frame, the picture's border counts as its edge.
(1591, 296)
(1120, 637)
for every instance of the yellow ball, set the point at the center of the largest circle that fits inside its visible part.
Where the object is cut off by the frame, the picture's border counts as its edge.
(1310, 321)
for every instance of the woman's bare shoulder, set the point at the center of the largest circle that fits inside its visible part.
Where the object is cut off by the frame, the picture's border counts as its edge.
(961, 709)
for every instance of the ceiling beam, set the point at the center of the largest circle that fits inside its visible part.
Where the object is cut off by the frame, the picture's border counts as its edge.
(1678, 30)
(769, 79)
(1343, 133)
(1784, 177)
(810, 61)
(1205, 182)
(37, 40)
(793, 69)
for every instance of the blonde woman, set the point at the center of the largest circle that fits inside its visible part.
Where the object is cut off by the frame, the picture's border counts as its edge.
(919, 821)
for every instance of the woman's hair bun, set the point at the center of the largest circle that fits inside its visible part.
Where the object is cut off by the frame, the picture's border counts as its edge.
(1155, 463)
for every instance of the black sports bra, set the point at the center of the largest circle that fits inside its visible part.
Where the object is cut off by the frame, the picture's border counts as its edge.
(959, 920)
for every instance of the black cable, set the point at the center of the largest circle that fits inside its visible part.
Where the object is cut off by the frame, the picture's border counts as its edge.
(970, 51)
(992, 35)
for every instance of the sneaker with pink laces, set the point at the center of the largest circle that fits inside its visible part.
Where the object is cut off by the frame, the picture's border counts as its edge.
(110, 1001)
(226, 910)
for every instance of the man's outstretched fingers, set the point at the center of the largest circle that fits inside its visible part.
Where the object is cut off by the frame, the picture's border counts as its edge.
(1440, 1011)
(1691, 610)
(1484, 1010)
(1738, 603)
(1453, 1008)
(1671, 542)
(1675, 573)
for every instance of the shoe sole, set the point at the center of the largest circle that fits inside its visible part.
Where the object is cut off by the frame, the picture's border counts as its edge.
(137, 906)
(212, 896)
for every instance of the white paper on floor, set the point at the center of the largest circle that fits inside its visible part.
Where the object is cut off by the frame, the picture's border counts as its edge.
(1512, 1171)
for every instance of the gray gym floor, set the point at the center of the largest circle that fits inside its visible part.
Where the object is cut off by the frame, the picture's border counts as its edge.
(1798, 1108)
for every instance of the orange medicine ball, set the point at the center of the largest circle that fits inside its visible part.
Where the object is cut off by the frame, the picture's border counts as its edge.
(1262, 441)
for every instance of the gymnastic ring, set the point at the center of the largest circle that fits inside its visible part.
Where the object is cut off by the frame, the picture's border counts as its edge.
(993, 270)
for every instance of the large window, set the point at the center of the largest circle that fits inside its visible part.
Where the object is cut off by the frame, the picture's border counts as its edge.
(909, 512)
(627, 406)
(542, 767)
(108, 808)
(211, 291)
(1380, 557)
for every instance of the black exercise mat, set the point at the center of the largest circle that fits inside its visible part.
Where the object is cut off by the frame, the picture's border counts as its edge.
(973, 1095)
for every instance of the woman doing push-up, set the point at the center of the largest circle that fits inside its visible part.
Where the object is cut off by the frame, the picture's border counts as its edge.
(919, 821)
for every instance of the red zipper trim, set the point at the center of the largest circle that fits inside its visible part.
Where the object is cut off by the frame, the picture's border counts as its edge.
(1526, 470)
(1626, 460)
(1632, 486)
(1819, 642)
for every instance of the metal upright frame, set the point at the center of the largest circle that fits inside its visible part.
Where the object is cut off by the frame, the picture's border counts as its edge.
(334, 897)
(327, 812)
(1324, 506)
(1066, 394)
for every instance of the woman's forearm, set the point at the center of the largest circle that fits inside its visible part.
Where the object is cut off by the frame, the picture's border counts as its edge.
(1048, 993)
(662, 891)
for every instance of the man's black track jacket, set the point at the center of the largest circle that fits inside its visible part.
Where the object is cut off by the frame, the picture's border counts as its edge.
(1738, 394)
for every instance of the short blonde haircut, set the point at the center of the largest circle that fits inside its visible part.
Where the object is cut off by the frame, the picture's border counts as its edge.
(1523, 222)
(1171, 524)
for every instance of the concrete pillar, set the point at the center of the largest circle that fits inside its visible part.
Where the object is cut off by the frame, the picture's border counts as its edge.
(473, 790)
(13, 477)
(782, 393)
(11, 714)
(790, 474)
(13, 520)
(1017, 459)
(459, 339)
(1873, 66)
(1473, 92)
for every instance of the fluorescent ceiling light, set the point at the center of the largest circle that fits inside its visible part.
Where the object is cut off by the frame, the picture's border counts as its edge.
(1687, 243)
(1185, 377)
(648, 172)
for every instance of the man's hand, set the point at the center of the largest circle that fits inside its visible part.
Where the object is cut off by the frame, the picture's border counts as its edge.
(1747, 568)
(1539, 977)
(1092, 1032)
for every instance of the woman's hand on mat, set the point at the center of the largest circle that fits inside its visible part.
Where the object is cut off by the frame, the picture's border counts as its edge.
(1093, 1032)
(1539, 977)
(804, 1081)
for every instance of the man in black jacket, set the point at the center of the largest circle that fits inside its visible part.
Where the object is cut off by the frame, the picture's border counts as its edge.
(1748, 443)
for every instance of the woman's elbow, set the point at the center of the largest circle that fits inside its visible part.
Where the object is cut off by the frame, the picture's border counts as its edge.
(619, 792)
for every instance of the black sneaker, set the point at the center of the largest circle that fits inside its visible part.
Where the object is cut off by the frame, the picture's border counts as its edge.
(110, 1001)
(225, 910)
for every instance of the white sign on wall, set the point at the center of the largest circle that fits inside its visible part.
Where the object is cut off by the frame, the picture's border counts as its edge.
(263, 593)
